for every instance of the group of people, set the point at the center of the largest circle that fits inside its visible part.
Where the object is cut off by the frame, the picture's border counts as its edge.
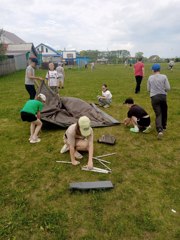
(158, 86)
(54, 78)
(79, 136)
(31, 110)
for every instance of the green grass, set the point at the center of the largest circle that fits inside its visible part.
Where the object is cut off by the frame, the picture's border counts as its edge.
(34, 196)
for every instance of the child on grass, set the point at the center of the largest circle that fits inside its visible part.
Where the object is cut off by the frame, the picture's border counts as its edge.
(137, 117)
(106, 98)
(52, 78)
(61, 74)
(79, 137)
(30, 78)
(31, 113)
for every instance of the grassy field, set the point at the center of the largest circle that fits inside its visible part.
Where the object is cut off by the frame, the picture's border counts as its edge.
(34, 196)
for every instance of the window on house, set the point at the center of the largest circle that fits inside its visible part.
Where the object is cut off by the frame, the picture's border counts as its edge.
(42, 49)
(69, 55)
(46, 49)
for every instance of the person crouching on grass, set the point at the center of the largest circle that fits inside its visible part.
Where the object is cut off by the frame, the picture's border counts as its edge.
(79, 137)
(106, 98)
(31, 113)
(137, 117)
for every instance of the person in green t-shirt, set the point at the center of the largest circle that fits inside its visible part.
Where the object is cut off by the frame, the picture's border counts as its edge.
(31, 113)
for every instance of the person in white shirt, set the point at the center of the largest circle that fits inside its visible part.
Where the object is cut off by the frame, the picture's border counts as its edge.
(61, 74)
(52, 78)
(79, 137)
(106, 98)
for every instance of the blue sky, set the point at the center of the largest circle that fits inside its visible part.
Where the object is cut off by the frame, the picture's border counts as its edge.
(149, 26)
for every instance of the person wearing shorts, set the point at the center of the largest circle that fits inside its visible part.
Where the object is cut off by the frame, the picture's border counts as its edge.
(31, 113)
(137, 117)
(79, 137)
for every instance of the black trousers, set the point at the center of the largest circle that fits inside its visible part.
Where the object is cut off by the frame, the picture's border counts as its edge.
(138, 83)
(159, 104)
(31, 90)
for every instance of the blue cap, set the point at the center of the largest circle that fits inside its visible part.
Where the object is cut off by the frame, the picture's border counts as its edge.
(34, 60)
(156, 67)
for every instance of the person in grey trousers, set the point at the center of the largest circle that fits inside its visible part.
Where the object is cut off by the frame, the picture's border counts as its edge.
(158, 85)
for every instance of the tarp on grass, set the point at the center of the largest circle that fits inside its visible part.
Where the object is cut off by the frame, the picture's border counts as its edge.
(64, 111)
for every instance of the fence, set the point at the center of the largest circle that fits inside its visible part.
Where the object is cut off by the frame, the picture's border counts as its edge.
(7, 66)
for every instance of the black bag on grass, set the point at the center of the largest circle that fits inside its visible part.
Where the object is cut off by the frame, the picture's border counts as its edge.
(107, 139)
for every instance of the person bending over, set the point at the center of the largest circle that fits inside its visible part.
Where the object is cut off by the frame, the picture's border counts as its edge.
(31, 113)
(79, 137)
(137, 117)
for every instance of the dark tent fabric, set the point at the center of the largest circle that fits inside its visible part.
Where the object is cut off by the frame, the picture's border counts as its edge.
(64, 111)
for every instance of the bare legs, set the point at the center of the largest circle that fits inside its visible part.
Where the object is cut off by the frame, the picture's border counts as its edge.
(35, 127)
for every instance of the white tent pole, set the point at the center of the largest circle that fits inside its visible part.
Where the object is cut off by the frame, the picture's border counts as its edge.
(105, 155)
(99, 160)
(102, 160)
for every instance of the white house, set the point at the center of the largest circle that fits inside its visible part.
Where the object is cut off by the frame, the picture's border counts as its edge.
(69, 57)
(48, 53)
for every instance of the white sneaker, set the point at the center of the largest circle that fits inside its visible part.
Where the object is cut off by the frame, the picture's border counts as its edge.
(78, 155)
(106, 106)
(147, 130)
(64, 149)
(30, 138)
(160, 135)
(35, 140)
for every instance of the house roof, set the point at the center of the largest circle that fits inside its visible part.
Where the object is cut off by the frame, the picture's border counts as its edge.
(20, 48)
(8, 37)
(52, 49)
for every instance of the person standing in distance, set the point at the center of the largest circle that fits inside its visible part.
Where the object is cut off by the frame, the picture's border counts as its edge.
(158, 85)
(139, 74)
(30, 78)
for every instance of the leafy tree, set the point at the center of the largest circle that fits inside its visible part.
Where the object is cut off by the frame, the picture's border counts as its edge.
(139, 55)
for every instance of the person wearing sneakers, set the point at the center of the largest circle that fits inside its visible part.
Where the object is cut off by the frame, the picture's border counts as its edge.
(158, 85)
(137, 117)
(79, 137)
(106, 98)
(31, 113)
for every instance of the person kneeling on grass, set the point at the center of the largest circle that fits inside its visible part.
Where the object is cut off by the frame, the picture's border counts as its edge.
(137, 117)
(79, 137)
(31, 113)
